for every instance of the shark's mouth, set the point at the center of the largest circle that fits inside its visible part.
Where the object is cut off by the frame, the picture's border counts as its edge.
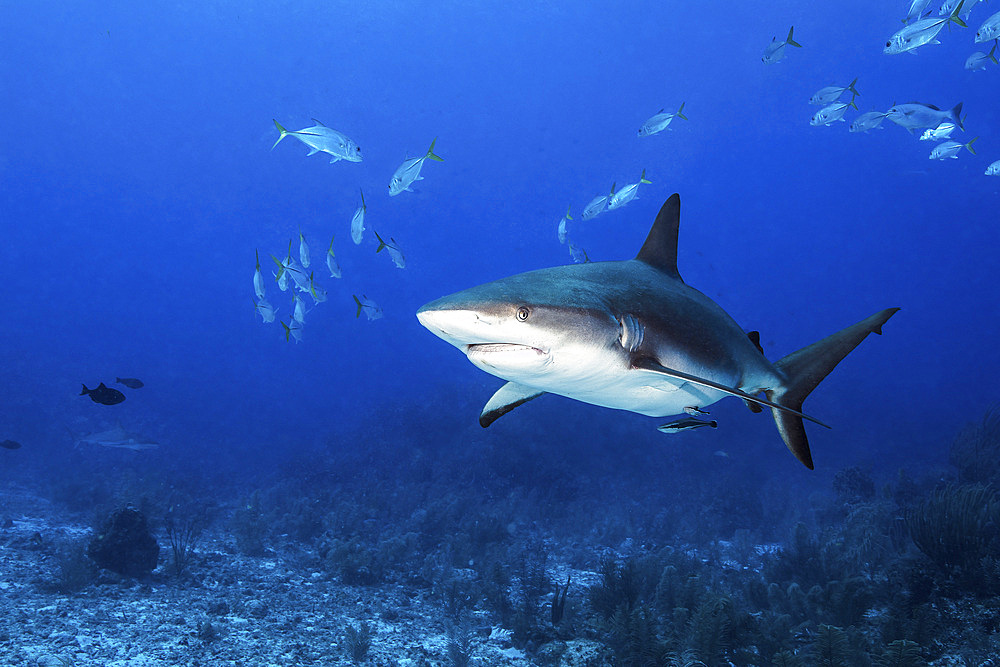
(508, 348)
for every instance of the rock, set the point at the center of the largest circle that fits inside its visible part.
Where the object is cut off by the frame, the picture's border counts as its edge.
(124, 544)
(257, 609)
(218, 608)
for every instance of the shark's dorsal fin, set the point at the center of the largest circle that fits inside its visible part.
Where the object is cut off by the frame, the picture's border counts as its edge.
(506, 399)
(660, 248)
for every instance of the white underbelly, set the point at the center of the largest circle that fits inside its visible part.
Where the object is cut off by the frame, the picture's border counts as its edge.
(644, 393)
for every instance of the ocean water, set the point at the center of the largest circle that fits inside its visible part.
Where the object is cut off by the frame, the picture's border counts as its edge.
(139, 180)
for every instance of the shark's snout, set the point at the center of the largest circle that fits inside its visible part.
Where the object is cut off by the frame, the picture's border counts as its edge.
(458, 327)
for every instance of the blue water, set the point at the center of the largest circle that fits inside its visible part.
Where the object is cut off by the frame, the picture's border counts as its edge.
(138, 180)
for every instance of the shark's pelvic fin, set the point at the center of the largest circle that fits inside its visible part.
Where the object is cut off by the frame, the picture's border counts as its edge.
(506, 399)
(660, 248)
(648, 364)
(805, 369)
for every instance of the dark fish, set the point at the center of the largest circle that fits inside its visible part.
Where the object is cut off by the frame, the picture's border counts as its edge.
(685, 425)
(103, 395)
(131, 383)
(10, 444)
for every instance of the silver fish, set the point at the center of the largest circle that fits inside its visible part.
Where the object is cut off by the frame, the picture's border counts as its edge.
(832, 113)
(562, 230)
(322, 139)
(942, 131)
(775, 51)
(409, 172)
(394, 252)
(915, 115)
(660, 122)
(978, 60)
(317, 292)
(298, 309)
(258, 280)
(868, 121)
(967, 8)
(920, 32)
(688, 424)
(627, 194)
(993, 169)
(831, 94)
(358, 221)
(598, 205)
(293, 329)
(578, 254)
(265, 310)
(990, 29)
(303, 250)
(372, 310)
(950, 149)
(694, 411)
(331, 261)
(917, 9)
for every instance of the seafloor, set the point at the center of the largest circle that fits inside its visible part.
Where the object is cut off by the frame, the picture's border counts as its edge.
(515, 557)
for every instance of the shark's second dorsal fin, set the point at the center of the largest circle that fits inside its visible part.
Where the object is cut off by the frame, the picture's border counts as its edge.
(660, 248)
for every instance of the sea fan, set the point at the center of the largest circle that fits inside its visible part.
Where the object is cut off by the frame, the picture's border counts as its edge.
(901, 653)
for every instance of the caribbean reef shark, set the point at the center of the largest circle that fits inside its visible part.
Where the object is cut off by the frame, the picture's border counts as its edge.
(631, 335)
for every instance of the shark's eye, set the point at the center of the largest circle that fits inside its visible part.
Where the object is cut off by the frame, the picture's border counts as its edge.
(522, 313)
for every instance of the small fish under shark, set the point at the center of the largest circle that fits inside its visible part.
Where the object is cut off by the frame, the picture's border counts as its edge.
(631, 335)
(688, 424)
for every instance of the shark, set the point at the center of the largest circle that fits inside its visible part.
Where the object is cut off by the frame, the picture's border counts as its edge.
(632, 335)
(118, 438)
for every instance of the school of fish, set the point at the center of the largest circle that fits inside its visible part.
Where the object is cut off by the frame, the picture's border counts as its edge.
(296, 275)
(921, 27)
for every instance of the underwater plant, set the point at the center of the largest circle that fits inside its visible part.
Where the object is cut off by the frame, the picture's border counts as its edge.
(184, 528)
(901, 653)
(618, 590)
(976, 449)
(853, 485)
(357, 642)
(249, 527)
(633, 637)
(831, 648)
(460, 644)
(955, 526)
(75, 571)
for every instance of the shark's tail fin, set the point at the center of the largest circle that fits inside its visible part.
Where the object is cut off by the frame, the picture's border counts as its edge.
(805, 369)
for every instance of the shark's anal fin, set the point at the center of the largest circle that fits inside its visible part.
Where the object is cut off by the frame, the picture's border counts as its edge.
(506, 399)
(647, 364)
(660, 247)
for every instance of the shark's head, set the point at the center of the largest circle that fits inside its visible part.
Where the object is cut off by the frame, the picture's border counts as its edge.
(513, 328)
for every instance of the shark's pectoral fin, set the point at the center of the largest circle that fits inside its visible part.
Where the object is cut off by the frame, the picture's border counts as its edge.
(312, 151)
(647, 364)
(506, 399)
